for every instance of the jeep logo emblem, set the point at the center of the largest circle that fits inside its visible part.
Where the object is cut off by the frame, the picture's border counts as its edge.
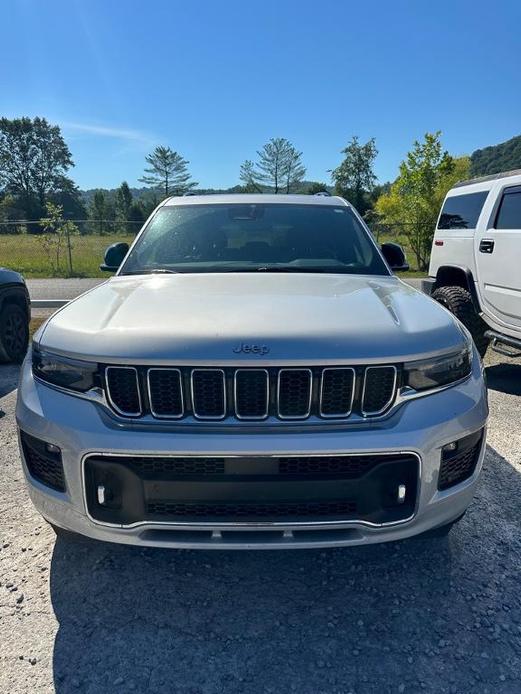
(244, 348)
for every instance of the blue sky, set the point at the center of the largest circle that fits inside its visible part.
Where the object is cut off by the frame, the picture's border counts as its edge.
(216, 79)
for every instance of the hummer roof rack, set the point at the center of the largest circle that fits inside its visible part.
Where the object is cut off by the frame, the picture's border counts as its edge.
(492, 177)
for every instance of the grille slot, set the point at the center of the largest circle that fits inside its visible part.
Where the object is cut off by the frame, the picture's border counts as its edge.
(123, 390)
(379, 389)
(209, 393)
(294, 393)
(252, 393)
(337, 392)
(44, 466)
(165, 393)
(279, 509)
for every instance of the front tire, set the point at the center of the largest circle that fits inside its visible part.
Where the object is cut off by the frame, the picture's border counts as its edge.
(14, 333)
(459, 302)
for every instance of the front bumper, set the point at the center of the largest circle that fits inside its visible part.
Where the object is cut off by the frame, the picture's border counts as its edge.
(421, 427)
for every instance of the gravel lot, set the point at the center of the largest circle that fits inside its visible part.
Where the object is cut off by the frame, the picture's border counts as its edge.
(422, 615)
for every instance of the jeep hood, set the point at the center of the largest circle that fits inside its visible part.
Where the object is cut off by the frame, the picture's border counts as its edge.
(203, 318)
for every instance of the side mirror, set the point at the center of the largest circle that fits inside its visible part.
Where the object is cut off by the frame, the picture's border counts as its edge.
(395, 256)
(114, 256)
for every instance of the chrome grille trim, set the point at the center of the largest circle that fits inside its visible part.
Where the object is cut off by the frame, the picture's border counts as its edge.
(207, 417)
(181, 391)
(250, 418)
(138, 390)
(310, 395)
(375, 413)
(340, 414)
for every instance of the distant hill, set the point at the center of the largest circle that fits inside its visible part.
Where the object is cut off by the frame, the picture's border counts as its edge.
(503, 157)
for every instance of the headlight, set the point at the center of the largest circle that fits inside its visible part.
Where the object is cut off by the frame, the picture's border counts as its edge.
(441, 371)
(61, 371)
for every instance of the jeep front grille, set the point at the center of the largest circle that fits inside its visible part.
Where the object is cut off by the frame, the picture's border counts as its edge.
(251, 393)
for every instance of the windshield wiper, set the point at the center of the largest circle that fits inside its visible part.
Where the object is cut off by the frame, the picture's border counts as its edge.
(152, 271)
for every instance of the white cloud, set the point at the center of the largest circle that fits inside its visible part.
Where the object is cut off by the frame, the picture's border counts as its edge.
(127, 134)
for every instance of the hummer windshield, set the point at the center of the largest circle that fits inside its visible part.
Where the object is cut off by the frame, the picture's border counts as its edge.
(238, 237)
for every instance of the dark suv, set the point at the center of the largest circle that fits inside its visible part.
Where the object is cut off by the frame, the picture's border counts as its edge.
(15, 314)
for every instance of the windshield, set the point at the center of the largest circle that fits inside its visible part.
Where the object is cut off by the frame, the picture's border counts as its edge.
(254, 238)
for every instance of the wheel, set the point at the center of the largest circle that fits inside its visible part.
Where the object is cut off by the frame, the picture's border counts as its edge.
(459, 302)
(14, 333)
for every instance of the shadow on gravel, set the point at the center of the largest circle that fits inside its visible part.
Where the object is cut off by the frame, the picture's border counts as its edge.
(9, 375)
(505, 378)
(439, 615)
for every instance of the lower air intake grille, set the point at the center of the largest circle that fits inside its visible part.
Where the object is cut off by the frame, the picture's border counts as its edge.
(349, 467)
(123, 390)
(145, 466)
(275, 510)
(459, 465)
(379, 389)
(44, 466)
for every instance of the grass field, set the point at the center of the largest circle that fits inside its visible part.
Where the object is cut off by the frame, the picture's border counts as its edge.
(25, 253)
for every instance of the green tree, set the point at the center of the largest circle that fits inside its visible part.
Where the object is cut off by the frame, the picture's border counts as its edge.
(354, 178)
(248, 177)
(136, 217)
(98, 212)
(123, 203)
(412, 205)
(279, 165)
(169, 171)
(71, 201)
(295, 169)
(56, 237)
(316, 187)
(34, 160)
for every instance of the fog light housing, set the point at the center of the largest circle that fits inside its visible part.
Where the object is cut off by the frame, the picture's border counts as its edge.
(458, 460)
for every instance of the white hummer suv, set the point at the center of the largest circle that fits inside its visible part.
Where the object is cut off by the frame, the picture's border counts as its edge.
(474, 269)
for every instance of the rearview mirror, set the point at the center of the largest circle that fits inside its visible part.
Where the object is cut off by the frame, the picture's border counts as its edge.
(395, 256)
(114, 256)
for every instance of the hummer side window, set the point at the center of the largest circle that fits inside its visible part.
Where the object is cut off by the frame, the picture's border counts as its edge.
(462, 211)
(509, 213)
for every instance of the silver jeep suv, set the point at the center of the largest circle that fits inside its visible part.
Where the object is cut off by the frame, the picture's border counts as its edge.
(253, 376)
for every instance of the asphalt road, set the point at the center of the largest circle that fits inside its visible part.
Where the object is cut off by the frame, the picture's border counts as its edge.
(57, 288)
(71, 288)
(423, 615)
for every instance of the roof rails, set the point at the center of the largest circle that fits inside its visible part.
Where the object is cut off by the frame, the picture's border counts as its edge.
(492, 177)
